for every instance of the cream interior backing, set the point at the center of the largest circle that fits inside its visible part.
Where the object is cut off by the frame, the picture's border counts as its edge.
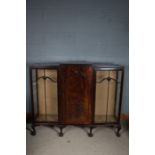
(48, 98)
(104, 105)
(47, 93)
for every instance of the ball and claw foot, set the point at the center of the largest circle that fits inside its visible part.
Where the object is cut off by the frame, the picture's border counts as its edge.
(90, 134)
(61, 133)
(33, 132)
(118, 132)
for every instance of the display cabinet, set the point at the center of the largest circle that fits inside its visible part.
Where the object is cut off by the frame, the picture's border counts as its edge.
(76, 93)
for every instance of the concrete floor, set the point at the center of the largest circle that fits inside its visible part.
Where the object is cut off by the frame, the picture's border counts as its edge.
(76, 142)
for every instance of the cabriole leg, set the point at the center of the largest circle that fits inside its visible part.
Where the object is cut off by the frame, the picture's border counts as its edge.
(90, 134)
(61, 131)
(33, 132)
(118, 131)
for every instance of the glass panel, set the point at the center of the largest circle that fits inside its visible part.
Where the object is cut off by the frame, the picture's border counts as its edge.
(47, 95)
(111, 98)
(101, 96)
(106, 86)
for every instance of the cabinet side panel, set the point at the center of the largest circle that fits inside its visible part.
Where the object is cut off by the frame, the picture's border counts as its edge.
(112, 97)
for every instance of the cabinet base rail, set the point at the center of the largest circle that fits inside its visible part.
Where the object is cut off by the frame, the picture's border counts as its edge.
(117, 128)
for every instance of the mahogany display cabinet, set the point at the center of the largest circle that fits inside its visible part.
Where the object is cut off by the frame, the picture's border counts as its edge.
(75, 93)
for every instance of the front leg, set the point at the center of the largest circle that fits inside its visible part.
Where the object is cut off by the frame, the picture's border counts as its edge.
(61, 131)
(33, 132)
(118, 131)
(90, 134)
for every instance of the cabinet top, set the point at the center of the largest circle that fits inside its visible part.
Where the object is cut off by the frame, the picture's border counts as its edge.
(96, 65)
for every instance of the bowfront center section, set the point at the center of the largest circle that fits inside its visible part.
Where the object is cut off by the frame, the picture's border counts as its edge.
(76, 93)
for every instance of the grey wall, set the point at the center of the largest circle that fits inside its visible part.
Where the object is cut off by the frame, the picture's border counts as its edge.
(92, 30)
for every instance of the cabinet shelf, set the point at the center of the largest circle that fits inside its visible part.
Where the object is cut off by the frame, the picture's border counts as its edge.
(103, 118)
(46, 118)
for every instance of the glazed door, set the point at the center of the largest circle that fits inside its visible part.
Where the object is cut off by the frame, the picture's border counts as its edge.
(76, 93)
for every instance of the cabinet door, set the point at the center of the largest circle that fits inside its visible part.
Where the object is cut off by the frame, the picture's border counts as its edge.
(76, 93)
